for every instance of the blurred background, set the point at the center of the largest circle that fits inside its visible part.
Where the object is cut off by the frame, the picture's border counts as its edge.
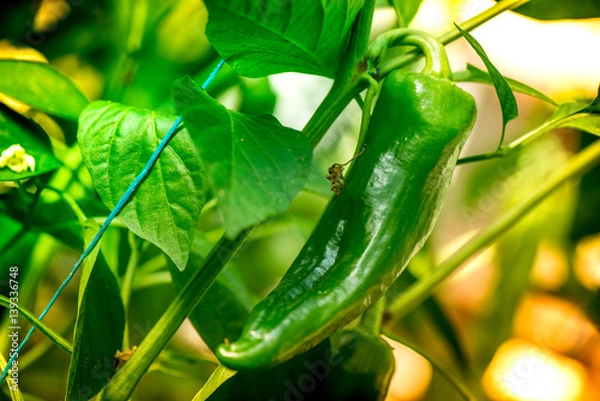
(526, 311)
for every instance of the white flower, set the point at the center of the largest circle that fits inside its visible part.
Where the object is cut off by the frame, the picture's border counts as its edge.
(16, 159)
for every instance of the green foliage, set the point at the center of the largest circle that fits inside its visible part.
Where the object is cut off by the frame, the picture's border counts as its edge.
(99, 330)
(558, 9)
(228, 170)
(406, 10)
(474, 74)
(255, 165)
(508, 102)
(15, 129)
(291, 35)
(40, 86)
(116, 142)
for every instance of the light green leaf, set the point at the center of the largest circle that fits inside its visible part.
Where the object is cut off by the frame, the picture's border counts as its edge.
(474, 74)
(255, 165)
(99, 328)
(589, 124)
(116, 142)
(406, 10)
(259, 38)
(15, 129)
(218, 377)
(508, 102)
(42, 87)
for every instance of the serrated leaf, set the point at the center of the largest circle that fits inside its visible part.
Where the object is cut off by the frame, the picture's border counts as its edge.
(259, 38)
(508, 102)
(116, 142)
(474, 74)
(560, 9)
(406, 10)
(255, 165)
(16, 129)
(41, 86)
(99, 328)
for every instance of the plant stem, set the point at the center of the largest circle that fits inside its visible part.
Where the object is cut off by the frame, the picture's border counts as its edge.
(331, 107)
(452, 35)
(526, 139)
(349, 81)
(415, 295)
(124, 382)
(371, 319)
(457, 383)
(132, 263)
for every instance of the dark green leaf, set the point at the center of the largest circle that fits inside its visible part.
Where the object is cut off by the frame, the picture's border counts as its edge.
(42, 87)
(260, 38)
(366, 368)
(560, 9)
(257, 97)
(99, 328)
(353, 365)
(15, 129)
(116, 142)
(474, 74)
(508, 103)
(255, 165)
(405, 10)
(223, 310)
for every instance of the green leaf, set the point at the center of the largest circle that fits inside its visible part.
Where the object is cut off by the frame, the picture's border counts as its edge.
(560, 9)
(508, 102)
(116, 142)
(474, 74)
(589, 124)
(42, 327)
(223, 310)
(42, 87)
(406, 10)
(255, 165)
(218, 377)
(594, 106)
(99, 328)
(352, 365)
(259, 38)
(15, 129)
(366, 368)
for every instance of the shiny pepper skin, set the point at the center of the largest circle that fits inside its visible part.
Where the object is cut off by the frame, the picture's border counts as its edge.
(369, 232)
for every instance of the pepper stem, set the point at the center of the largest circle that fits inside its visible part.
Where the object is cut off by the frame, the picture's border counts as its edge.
(436, 59)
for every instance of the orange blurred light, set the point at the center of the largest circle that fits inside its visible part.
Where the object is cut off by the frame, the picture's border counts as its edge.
(412, 375)
(521, 371)
(551, 268)
(587, 262)
(554, 323)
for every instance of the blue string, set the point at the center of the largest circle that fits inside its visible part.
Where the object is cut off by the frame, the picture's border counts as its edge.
(118, 208)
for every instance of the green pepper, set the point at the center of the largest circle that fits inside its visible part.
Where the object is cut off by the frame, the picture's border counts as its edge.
(380, 219)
